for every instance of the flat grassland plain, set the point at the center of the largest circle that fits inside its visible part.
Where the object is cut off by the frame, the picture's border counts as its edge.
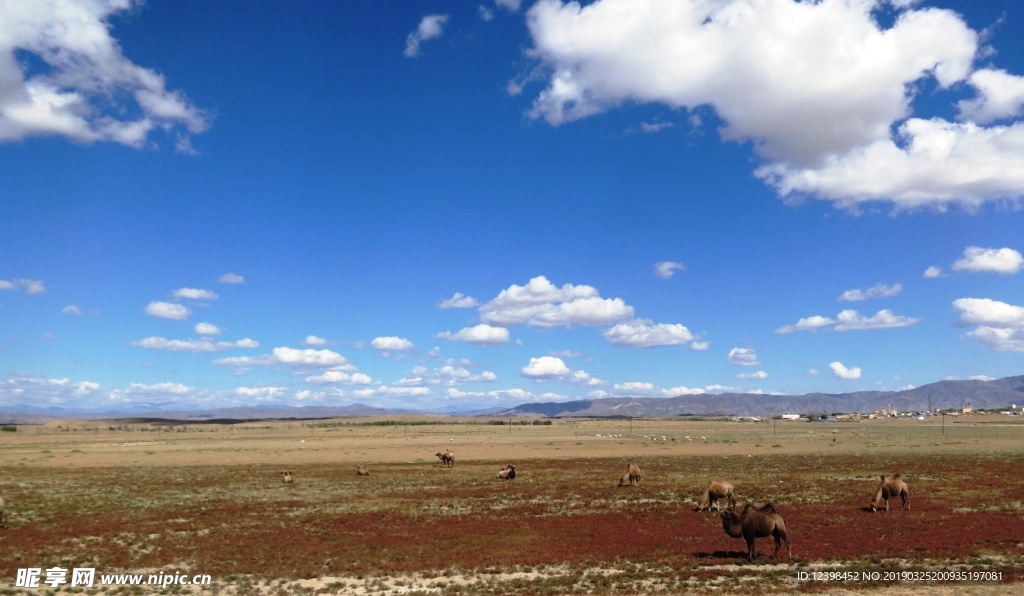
(207, 498)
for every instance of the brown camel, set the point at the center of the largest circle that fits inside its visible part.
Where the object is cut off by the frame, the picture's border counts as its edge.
(718, 489)
(508, 472)
(756, 522)
(890, 487)
(447, 458)
(286, 477)
(631, 477)
(3, 513)
(362, 471)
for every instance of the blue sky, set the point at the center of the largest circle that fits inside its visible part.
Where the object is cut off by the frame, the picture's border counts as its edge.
(440, 205)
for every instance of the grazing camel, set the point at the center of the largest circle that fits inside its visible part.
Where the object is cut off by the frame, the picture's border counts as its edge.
(756, 522)
(631, 477)
(362, 471)
(508, 472)
(890, 487)
(718, 489)
(286, 477)
(447, 458)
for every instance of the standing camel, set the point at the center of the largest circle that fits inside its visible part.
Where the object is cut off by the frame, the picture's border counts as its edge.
(890, 487)
(447, 458)
(754, 523)
(3, 513)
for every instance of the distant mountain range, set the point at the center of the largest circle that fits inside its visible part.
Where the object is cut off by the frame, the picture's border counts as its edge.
(999, 393)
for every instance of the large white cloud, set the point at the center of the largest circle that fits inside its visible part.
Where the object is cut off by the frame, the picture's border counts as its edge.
(1000, 325)
(340, 377)
(644, 333)
(818, 87)
(998, 260)
(542, 304)
(88, 90)
(301, 359)
(481, 335)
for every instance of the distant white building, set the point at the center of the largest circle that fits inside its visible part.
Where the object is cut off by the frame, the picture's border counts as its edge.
(791, 416)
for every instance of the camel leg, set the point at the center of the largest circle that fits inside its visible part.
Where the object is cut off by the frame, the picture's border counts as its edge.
(751, 550)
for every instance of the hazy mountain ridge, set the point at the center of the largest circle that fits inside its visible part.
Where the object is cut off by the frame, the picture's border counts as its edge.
(998, 393)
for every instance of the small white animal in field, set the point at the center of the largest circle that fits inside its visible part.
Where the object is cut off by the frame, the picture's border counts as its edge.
(286, 477)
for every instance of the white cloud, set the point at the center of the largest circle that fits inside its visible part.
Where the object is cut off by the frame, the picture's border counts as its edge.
(759, 375)
(1001, 95)
(192, 345)
(541, 304)
(231, 278)
(933, 272)
(985, 311)
(391, 344)
(71, 310)
(666, 269)
(743, 357)
(931, 163)
(1006, 261)
(643, 333)
(817, 87)
(459, 301)
(339, 377)
(430, 27)
(481, 335)
(312, 340)
(651, 128)
(168, 310)
(32, 287)
(194, 294)
(813, 373)
(877, 291)
(807, 324)
(446, 376)
(207, 329)
(511, 5)
(849, 320)
(884, 319)
(89, 91)
(843, 373)
(309, 357)
(547, 368)
(1000, 325)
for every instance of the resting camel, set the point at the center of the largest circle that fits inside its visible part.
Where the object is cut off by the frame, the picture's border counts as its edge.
(756, 522)
(447, 458)
(718, 489)
(631, 477)
(286, 477)
(890, 487)
(508, 472)
(362, 471)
